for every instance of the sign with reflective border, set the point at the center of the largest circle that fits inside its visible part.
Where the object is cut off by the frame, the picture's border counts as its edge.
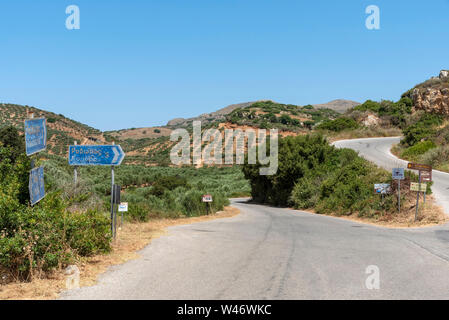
(36, 185)
(95, 155)
(35, 135)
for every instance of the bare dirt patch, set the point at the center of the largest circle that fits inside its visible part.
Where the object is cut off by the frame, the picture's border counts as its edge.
(130, 239)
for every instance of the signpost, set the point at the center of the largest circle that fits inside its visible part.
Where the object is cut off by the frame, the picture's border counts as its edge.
(100, 155)
(93, 155)
(425, 174)
(420, 167)
(122, 207)
(36, 185)
(207, 198)
(418, 187)
(35, 135)
(398, 174)
(382, 188)
(35, 141)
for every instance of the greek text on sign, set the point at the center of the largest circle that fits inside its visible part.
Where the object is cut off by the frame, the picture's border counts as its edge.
(382, 188)
(35, 135)
(398, 174)
(123, 207)
(93, 155)
(414, 186)
(426, 176)
(417, 166)
(36, 185)
(207, 198)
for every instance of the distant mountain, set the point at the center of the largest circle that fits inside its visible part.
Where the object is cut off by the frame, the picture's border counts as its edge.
(209, 117)
(339, 105)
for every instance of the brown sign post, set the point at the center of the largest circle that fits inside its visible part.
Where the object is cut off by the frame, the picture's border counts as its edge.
(420, 167)
(425, 174)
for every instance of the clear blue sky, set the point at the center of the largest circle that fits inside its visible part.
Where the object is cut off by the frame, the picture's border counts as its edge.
(141, 63)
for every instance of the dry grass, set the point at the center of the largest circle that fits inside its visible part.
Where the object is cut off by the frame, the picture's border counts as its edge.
(132, 238)
(429, 215)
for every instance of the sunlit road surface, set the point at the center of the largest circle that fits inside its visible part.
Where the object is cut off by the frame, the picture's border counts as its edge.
(273, 253)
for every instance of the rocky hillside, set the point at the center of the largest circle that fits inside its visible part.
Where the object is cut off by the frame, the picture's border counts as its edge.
(433, 95)
(61, 131)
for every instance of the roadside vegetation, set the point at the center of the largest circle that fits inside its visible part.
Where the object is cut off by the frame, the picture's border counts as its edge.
(426, 141)
(34, 240)
(370, 119)
(317, 176)
(73, 222)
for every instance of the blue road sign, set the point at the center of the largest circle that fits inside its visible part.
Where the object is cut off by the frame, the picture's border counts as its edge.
(92, 155)
(398, 174)
(36, 185)
(35, 135)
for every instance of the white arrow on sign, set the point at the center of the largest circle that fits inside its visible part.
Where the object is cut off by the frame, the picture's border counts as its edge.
(116, 154)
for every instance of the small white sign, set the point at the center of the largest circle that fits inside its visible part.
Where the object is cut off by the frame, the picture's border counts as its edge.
(382, 188)
(398, 174)
(207, 198)
(414, 186)
(123, 207)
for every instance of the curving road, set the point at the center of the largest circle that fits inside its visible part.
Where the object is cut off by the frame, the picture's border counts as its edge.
(273, 253)
(377, 150)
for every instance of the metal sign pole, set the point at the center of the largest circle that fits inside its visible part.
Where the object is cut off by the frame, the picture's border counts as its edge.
(417, 196)
(112, 200)
(399, 195)
(115, 211)
(75, 171)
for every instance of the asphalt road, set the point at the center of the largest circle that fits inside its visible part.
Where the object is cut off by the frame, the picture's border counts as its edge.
(377, 150)
(273, 253)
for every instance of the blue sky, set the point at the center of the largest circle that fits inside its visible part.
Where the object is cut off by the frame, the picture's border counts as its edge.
(141, 63)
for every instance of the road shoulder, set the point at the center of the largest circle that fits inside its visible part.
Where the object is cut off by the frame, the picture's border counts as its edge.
(131, 238)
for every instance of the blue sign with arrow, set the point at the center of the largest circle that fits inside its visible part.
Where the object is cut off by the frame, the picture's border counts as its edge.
(93, 155)
(35, 135)
(36, 185)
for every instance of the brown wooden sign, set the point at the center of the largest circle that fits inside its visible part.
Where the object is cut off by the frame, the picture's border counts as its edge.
(426, 176)
(420, 167)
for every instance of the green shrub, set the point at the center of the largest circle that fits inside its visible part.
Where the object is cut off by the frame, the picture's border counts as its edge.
(313, 174)
(418, 149)
(39, 239)
(422, 129)
(338, 124)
